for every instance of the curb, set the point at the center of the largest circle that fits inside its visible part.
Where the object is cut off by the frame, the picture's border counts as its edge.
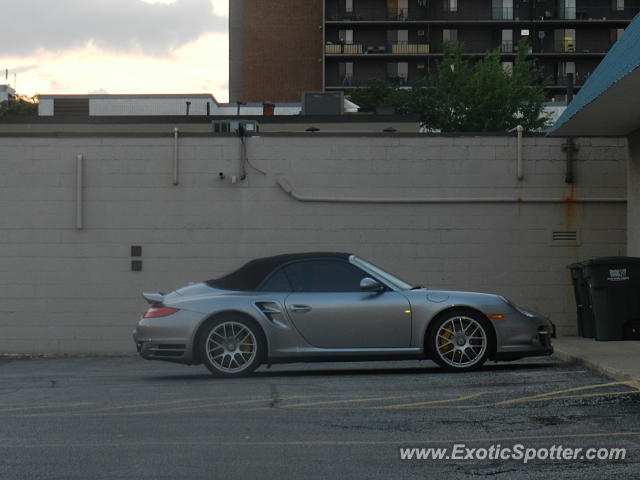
(611, 372)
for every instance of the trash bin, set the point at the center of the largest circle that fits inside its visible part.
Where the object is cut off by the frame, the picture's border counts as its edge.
(586, 322)
(614, 287)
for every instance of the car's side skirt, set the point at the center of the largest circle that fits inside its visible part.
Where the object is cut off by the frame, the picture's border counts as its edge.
(347, 355)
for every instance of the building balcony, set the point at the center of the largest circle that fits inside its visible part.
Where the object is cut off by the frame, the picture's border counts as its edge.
(507, 48)
(358, 80)
(585, 14)
(341, 82)
(562, 81)
(502, 14)
(572, 46)
(473, 13)
(399, 48)
(375, 14)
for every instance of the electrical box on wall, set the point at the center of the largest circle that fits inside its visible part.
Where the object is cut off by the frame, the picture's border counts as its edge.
(232, 126)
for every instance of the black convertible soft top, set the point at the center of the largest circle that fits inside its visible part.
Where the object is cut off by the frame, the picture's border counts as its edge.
(250, 275)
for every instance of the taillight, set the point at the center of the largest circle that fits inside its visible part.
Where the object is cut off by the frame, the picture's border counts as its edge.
(157, 311)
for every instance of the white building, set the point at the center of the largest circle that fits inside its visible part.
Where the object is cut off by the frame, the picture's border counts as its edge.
(6, 92)
(161, 105)
(151, 104)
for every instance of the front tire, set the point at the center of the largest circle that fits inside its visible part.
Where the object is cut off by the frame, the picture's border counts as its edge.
(232, 347)
(460, 340)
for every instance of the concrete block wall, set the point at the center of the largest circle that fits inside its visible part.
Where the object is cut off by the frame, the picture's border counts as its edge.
(72, 291)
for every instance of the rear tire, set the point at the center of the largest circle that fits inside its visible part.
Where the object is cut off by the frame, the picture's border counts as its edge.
(232, 347)
(460, 340)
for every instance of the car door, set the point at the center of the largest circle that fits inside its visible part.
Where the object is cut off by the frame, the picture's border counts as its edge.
(330, 310)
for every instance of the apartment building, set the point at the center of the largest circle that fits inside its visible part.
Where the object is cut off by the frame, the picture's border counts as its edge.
(280, 48)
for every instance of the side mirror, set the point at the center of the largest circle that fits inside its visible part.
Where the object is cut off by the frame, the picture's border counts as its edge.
(368, 284)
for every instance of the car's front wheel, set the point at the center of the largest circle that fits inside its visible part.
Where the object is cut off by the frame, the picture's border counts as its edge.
(460, 340)
(232, 347)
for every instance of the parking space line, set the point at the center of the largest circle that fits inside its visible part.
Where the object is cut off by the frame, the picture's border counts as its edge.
(432, 402)
(545, 396)
(320, 443)
(138, 405)
(46, 405)
(351, 400)
(106, 411)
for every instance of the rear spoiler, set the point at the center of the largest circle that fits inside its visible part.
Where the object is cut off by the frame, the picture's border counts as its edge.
(153, 297)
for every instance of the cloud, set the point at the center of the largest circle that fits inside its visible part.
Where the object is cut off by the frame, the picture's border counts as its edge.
(200, 66)
(114, 25)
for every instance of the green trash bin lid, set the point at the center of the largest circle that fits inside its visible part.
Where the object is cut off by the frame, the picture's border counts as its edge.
(602, 261)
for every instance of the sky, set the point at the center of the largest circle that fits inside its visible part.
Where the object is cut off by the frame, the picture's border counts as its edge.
(115, 46)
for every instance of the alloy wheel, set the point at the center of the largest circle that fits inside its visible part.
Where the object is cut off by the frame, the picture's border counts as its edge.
(231, 347)
(461, 341)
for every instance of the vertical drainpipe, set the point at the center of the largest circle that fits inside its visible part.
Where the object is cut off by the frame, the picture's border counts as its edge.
(520, 152)
(79, 188)
(175, 156)
(520, 160)
(324, 42)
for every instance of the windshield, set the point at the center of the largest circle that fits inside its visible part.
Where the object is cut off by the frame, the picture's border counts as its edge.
(387, 277)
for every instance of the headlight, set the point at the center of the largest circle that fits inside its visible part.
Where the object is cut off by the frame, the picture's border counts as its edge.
(507, 301)
(515, 307)
(525, 313)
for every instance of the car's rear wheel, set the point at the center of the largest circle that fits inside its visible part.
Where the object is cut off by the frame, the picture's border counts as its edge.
(460, 340)
(232, 347)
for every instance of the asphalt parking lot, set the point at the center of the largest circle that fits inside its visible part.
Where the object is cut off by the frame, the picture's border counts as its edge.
(123, 417)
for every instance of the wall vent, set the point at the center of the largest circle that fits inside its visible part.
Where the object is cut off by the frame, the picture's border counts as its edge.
(560, 236)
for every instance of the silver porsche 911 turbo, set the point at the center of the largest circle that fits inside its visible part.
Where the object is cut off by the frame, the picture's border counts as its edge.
(331, 307)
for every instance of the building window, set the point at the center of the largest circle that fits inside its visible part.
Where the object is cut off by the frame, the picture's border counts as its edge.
(345, 37)
(502, 9)
(450, 5)
(507, 41)
(345, 71)
(398, 37)
(398, 9)
(449, 35)
(348, 6)
(618, 5)
(567, 9)
(616, 33)
(507, 67)
(564, 70)
(398, 72)
(565, 40)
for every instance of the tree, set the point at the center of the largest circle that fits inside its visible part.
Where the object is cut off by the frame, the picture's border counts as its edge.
(462, 95)
(19, 105)
(377, 93)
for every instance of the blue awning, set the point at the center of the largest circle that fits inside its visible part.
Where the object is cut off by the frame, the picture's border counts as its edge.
(608, 102)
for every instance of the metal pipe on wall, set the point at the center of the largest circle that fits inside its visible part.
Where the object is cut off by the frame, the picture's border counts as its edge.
(175, 156)
(286, 187)
(520, 152)
(79, 188)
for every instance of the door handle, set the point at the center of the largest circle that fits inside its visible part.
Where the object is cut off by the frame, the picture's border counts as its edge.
(300, 308)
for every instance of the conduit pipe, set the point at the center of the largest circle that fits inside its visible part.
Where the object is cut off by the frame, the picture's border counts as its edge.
(79, 188)
(286, 187)
(519, 154)
(175, 156)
